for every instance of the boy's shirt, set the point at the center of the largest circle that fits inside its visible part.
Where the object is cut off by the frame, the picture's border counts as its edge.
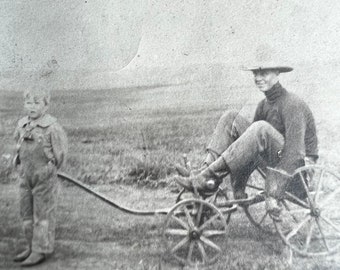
(45, 130)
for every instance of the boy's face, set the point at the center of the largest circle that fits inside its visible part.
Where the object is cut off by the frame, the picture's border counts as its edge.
(35, 106)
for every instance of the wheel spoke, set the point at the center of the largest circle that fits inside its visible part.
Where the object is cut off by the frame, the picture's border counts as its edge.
(318, 187)
(255, 187)
(191, 248)
(199, 214)
(289, 210)
(189, 218)
(322, 234)
(329, 197)
(180, 222)
(210, 243)
(331, 238)
(301, 210)
(213, 198)
(298, 227)
(311, 202)
(178, 232)
(330, 223)
(202, 250)
(205, 224)
(309, 235)
(210, 233)
(180, 244)
(295, 199)
(263, 218)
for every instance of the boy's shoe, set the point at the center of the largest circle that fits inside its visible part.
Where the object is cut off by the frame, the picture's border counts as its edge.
(34, 259)
(22, 255)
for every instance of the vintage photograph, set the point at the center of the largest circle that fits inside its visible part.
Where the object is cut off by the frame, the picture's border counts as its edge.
(184, 134)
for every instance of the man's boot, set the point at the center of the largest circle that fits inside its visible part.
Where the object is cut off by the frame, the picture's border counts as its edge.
(204, 181)
(207, 179)
(182, 171)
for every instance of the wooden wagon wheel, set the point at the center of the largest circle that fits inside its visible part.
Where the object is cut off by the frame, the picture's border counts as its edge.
(195, 232)
(256, 213)
(311, 227)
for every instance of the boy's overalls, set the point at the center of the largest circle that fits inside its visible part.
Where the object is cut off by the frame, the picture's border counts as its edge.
(41, 148)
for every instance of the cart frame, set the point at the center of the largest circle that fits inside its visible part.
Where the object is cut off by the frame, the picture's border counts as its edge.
(195, 229)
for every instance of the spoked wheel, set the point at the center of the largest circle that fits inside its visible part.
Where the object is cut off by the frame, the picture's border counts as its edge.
(311, 227)
(195, 232)
(256, 213)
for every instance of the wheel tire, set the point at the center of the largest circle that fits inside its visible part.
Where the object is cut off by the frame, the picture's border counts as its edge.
(195, 232)
(312, 227)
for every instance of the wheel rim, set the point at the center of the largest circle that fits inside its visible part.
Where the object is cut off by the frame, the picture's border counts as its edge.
(179, 196)
(195, 232)
(312, 227)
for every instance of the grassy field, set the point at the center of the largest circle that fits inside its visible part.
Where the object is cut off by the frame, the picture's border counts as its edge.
(125, 142)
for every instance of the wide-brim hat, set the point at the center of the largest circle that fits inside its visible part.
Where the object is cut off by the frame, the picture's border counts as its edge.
(281, 69)
(267, 58)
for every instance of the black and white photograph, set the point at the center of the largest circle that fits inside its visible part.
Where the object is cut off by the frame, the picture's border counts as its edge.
(156, 134)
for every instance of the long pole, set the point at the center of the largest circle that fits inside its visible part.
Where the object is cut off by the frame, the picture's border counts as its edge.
(107, 200)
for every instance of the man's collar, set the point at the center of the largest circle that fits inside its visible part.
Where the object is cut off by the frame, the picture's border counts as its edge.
(44, 121)
(275, 92)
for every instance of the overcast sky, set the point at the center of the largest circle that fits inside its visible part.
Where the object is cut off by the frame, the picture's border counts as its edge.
(88, 34)
(108, 35)
(231, 31)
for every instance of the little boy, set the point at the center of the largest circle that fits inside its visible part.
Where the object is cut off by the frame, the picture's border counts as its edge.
(41, 150)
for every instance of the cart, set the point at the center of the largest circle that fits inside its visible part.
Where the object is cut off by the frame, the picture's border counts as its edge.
(195, 230)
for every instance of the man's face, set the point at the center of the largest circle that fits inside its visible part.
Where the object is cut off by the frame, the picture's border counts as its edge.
(265, 79)
(35, 106)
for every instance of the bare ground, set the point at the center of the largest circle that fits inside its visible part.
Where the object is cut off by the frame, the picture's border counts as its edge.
(93, 235)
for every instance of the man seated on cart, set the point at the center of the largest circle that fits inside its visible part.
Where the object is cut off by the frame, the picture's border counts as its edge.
(279, 140)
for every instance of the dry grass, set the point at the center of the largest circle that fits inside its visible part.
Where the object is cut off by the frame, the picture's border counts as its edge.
(135, 136)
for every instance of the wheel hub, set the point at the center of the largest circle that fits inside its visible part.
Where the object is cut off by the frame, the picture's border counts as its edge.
(315, 212)
(194, 234)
